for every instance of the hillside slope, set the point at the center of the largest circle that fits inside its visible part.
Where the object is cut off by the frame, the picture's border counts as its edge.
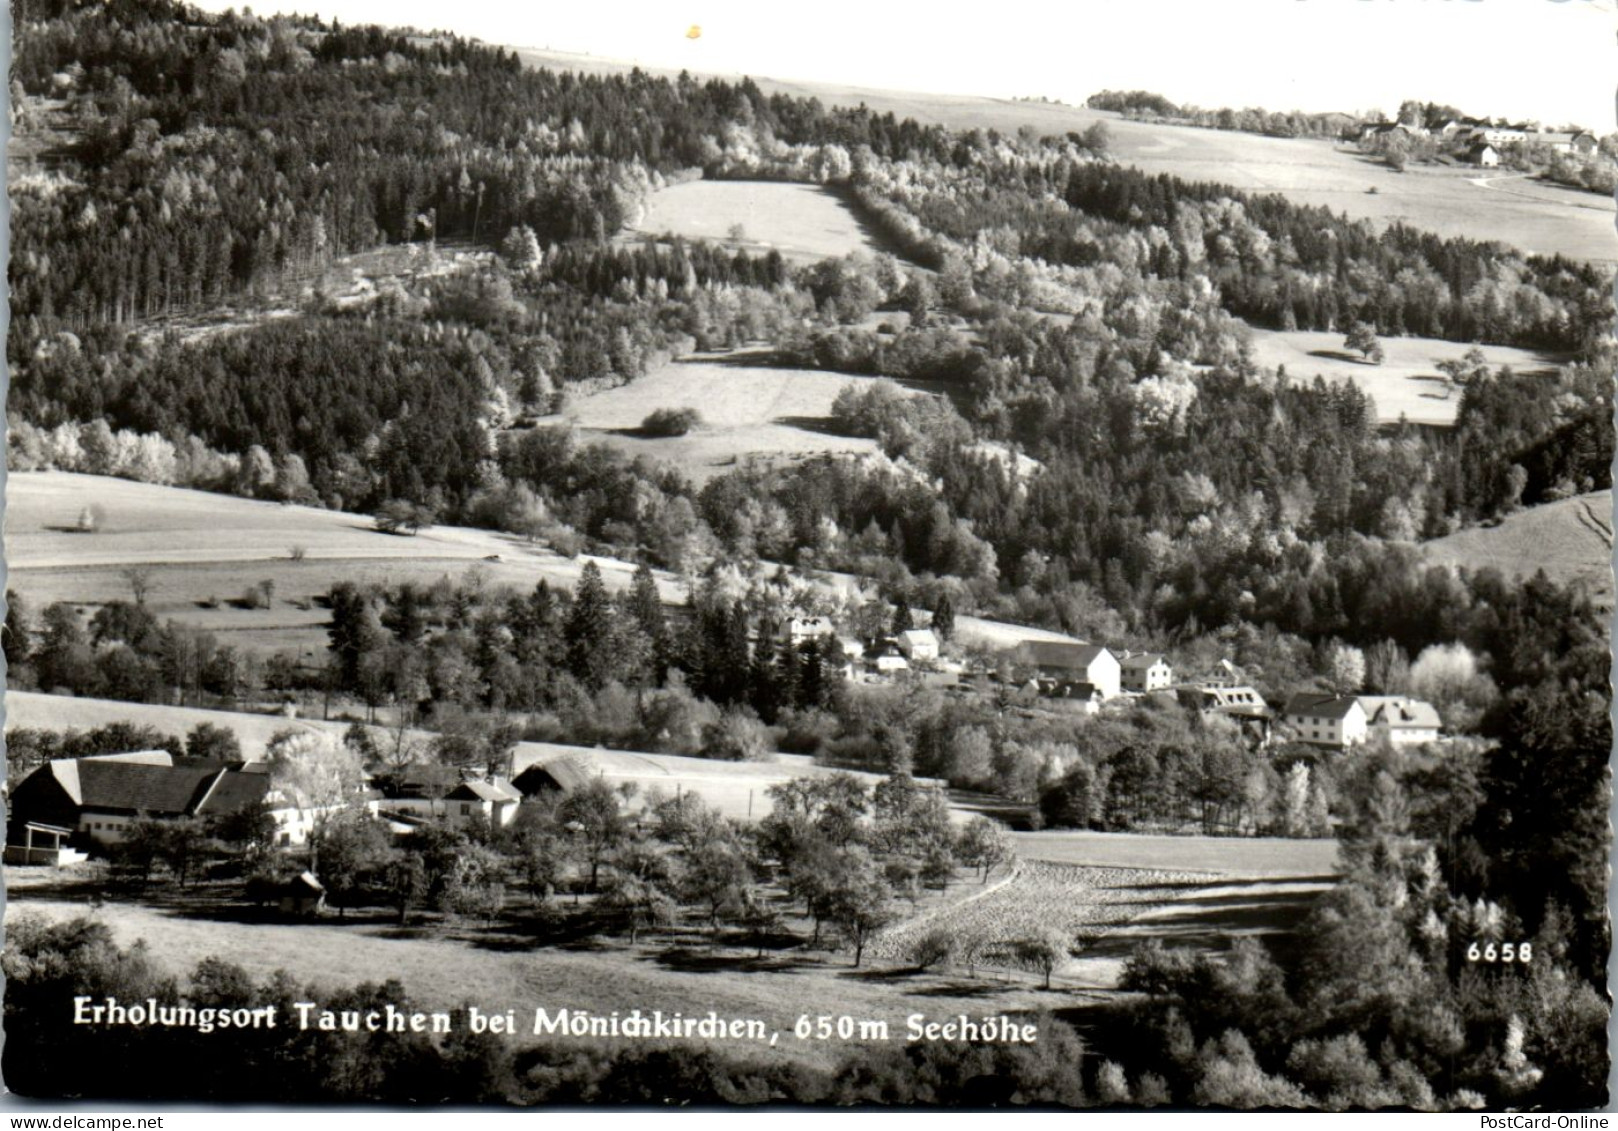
(1539, 219)
(1570, 539)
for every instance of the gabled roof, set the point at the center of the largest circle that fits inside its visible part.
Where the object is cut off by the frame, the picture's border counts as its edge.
(918, 635)
(496, 791)
(142, 757)
(134, 787)
(1060, 653)
(419, 779)
(1140, 659)
(146, 782)
(1400, 713)
(232, 791)
(1320, 705)
(565, 773)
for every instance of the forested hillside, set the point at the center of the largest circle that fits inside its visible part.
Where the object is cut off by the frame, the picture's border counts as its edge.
(1043, 301)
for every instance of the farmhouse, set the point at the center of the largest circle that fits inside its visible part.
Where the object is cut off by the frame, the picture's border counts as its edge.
(1400, 720)
(1484, 156)
(554, 778)
(1238, 702)
(1346, 720)
(1073, 695)
(801, 630)
(1326, 720)
(919, 645)
(885, 658)
(97, 798)
(423, 792)
(1144, 671)
(1081, 663)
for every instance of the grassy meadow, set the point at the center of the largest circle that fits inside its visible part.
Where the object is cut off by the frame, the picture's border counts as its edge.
(1407, 384)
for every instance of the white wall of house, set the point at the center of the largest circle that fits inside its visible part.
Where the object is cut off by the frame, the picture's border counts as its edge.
(1106, 674)
(1347, 730)
(1142, 677)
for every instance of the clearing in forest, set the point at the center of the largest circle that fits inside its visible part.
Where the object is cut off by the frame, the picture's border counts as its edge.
(746, 410)
(805, 223)
(1407, 383)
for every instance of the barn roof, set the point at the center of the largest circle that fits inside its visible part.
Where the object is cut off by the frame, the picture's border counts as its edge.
(1061, 653)
(1319, 705)
(495, 791)
(565, 773)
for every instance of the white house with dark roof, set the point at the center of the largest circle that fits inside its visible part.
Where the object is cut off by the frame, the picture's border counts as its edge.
(456, 802)
(1348, 720)
(1322, 719)
(1401, 720)
(95, 799)
(919, 645)
(801, 630)
(1144, 671)
(1076, 662)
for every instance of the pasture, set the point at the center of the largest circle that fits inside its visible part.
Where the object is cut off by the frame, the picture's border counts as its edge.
(1406, 384)
(1570, 539)
(1223, 888)
(202, 551)
(748, 411)
(1534, 218)
(805, 223)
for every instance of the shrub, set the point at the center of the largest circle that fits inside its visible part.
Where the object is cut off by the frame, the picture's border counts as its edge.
(670, 421)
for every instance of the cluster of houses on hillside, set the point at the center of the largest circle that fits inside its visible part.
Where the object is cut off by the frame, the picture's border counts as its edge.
(72, 805)
(1481, 142)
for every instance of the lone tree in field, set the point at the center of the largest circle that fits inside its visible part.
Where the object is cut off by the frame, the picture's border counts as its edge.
(670, 422)
(983, 844)
(1044, 952)
(400, 516)
(1362, 339)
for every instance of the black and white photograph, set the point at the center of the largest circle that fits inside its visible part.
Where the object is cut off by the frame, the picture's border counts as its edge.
(839, 556)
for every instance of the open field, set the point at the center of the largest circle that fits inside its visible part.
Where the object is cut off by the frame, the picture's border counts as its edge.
(195, 544)
(1536, 218)
(747, 411)
(1407, 383)
(736, 789)
(1225, 888)
(1570, 539)
(1082, 903)
(1254, 857)
(504, 967)
(805, 223)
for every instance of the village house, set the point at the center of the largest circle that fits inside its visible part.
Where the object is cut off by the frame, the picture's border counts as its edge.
(1400, 720)
(885, 658)
(1484, 156)
(801, 630)
(92, 801)
(1144, 671)
(438, 792)
(919, 645)
(1326, 720)
(1072, 695)
(1348, 720)
(553, 778)
(1074, 662)
(1235, 701)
